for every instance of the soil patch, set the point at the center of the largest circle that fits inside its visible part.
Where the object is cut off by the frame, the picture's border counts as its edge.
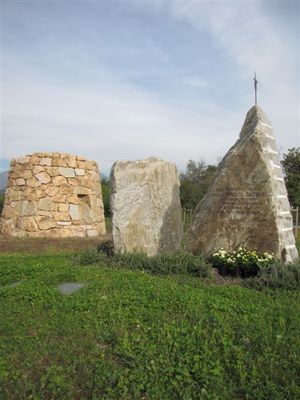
(43, 245)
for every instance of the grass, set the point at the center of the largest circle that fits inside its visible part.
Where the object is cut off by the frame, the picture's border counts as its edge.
(131, 335)
(298, 240)
(108, 224)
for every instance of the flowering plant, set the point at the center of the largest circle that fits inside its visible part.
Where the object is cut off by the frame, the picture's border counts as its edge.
(241, 262)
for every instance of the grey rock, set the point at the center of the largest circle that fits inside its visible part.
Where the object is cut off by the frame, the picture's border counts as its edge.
(74, 212)
(70, 287)
(146, 207)
(67, 172)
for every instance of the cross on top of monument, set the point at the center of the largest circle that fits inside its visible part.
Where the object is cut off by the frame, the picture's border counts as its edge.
(255, 87)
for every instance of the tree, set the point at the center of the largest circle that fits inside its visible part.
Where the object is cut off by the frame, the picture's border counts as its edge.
(291, 168)
(194, 182)
(105, 184)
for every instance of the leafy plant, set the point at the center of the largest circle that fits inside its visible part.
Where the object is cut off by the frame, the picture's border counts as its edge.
(277, 275)
(105, 186)
(291, 167)
(163, 264)
(194, 182)
(243, 262)
(107, 248)
(91, 256)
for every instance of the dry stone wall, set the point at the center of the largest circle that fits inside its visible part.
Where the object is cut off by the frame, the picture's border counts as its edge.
(53, 195)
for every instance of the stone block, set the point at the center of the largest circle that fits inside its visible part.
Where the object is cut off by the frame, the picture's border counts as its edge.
(25, 207)
(46, 161)
(53, 171)
(74, 212)
(79, 171)
(66, 188)
(58, 162)
(27, 224)
(33, 182)
(51, 191)
(66, 172)
(34, 160)
(61, 216)
(63, 207)
(20, 182)
(146, 207)
(43, 177)
(45, 223)
(37, 169)
(71, 161)
(27, 174)
(59, 180)
(46, 204)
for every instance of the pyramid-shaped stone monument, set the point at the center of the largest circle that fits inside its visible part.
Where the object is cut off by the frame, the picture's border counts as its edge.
(247, 203)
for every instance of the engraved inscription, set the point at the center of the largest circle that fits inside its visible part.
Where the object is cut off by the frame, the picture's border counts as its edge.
(237, 202)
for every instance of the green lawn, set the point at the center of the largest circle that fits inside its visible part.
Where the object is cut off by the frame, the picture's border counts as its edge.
(130, 335)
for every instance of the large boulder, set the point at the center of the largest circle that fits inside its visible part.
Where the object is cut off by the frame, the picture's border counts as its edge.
(146, 207)
(247, 203)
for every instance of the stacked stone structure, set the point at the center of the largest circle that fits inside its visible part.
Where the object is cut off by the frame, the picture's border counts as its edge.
(247, 203)
(146, 207)
(53, 195)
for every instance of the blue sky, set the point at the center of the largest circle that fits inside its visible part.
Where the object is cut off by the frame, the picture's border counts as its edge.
(115, 80)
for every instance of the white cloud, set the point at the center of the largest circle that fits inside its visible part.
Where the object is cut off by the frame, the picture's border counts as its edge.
(197, 82)
(108, 121)
(60, 97)
(257, 42)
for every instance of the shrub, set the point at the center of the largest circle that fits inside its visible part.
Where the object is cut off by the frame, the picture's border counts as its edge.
(243, 262)
(107, 248)
(91, 256)
(277, 275)
(163, 264)
(105, 186)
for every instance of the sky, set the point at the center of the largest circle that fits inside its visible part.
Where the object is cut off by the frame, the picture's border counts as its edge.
(129, 79)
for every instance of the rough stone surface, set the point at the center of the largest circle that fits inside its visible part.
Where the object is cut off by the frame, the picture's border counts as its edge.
(79, 171)
(146, 207)
(70, 287)
(74, 212)
(247, 203)
(47, 197)
(43, 177)
(67, 172)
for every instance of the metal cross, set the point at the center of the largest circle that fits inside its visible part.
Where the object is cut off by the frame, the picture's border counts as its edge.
(255, 88)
